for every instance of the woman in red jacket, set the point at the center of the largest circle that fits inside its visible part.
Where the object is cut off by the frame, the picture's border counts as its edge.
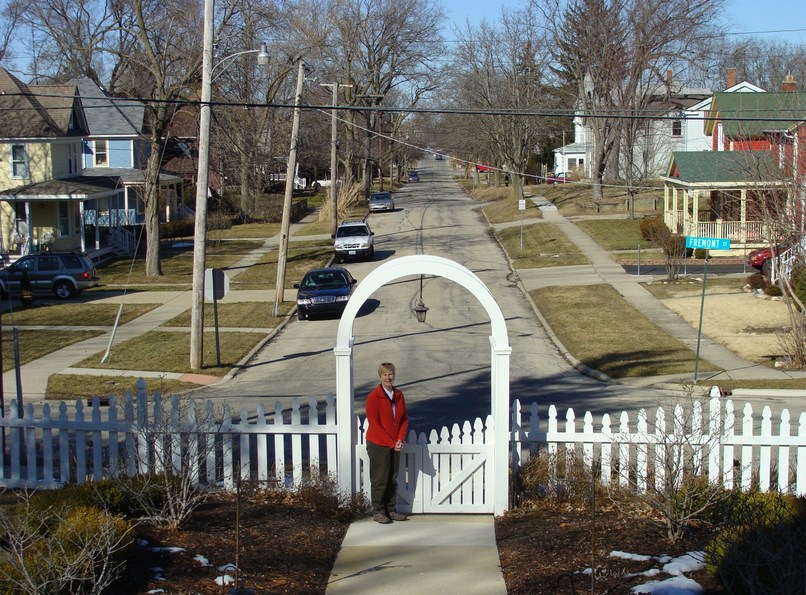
(388, 424)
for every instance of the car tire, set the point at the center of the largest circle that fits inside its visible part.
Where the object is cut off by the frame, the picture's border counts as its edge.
(63, 290)
(372, 252)
(302, 315)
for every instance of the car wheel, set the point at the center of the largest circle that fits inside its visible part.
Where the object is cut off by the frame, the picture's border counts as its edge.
(302, 315)
(372, 252)
(63, 290)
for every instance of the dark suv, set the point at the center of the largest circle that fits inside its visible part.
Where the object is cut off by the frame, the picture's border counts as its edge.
(64, 274)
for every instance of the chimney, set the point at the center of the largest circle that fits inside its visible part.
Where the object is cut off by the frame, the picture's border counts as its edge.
(731, 82)
(789, 83)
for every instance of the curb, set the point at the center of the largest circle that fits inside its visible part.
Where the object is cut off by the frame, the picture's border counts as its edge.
(513, 274)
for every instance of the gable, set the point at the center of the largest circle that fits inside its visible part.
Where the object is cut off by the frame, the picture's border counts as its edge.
(38, 111)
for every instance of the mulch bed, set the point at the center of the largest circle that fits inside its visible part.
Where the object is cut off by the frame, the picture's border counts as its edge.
(290, 546)
(550, 550)
(285, 547)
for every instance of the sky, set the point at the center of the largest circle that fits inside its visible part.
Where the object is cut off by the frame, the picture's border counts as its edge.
(747, 16)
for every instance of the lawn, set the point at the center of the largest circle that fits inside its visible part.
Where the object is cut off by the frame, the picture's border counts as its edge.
(606, 333)
(302, 256)
(544, 245)
(507, 209)
(75, 314)
(615, 234)
(177, 265)
(35, 344)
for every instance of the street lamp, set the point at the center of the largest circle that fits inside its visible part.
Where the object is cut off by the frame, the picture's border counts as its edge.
(200, 229)
(420, 310)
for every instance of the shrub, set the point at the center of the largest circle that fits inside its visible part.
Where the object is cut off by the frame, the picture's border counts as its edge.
(63, 550)
(179, 228)
(112, 495)
(652, 228)
(798, 282)
(757, 281)
(700, 253)
(760, 548)
(773, 290)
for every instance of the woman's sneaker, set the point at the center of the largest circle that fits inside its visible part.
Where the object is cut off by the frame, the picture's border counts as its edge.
(381, 518)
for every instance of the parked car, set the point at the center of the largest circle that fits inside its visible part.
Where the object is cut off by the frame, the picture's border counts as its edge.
(414, 176)
(561, 177)
(64, 274)
(324, 291)
(381, 201)
(761, 258)
(353, 239)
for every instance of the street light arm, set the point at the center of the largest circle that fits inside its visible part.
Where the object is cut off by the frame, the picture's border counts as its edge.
(223, 64)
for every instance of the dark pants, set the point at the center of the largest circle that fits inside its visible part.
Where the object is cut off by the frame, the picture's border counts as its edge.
(383, 465)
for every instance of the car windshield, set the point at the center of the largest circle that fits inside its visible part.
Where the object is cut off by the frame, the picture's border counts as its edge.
(380, 196)
(351, 230)
(324, 280)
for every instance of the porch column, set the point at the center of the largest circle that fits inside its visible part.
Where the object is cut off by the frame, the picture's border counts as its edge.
(27, 239)
(82, 226)
(675, 209)
(686, 221)
(743, 214)
(695, 206)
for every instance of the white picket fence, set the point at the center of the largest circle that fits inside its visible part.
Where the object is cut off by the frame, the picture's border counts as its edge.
(142, 434)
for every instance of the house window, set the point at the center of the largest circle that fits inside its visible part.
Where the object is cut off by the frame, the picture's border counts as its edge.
(19, 161)
(101, 153)
(677, 128)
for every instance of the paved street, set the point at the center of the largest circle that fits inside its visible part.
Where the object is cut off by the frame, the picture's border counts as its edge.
(444, 364)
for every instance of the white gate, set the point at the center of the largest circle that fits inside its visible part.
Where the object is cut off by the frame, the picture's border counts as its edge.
(448, 472)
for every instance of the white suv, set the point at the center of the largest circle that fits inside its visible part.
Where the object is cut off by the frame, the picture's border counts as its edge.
(353, 239)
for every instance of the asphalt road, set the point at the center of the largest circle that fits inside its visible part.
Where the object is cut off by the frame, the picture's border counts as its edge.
(443, 365)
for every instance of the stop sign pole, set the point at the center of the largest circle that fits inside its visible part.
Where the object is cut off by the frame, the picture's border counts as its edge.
(216, 286)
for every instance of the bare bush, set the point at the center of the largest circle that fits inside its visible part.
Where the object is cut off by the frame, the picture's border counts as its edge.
(174, 448)
(676, 483)
(61, 549)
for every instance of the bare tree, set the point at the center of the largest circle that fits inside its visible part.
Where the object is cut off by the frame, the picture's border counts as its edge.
(504, 68)
(762, 62)
(616, 53)
(375, 47)
(11, 14)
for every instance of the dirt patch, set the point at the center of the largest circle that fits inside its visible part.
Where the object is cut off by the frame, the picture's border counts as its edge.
(747, 325)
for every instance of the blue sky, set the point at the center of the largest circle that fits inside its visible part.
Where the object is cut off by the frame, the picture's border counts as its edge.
(740, 15)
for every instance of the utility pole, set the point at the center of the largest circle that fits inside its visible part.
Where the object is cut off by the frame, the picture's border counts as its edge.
(334, 143)
(200, 230)
(289, 189)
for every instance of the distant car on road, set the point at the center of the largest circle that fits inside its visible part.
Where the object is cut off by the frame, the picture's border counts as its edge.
(353, 239)
(561, 177)
(64, 274)
(414, 176)
(324, 291)
(381, 201)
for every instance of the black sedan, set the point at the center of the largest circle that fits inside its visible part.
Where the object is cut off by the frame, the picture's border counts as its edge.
(324, 291)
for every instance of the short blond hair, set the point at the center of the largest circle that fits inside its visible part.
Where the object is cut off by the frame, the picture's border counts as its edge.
(386, 367)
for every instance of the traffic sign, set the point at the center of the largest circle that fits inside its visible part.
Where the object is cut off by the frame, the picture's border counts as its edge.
(216, 284)
(708, 243)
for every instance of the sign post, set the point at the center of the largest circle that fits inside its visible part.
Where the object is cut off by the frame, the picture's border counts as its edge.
(707, 244)
(522, 208)
(216, 286)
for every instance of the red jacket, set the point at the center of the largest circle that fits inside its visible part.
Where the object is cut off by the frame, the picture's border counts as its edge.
(385, 429)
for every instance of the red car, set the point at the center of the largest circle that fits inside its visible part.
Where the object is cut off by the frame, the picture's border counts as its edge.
(759, 259)
(561, 177)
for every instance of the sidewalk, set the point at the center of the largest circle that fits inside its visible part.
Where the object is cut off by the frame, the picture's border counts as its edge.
(426, 554)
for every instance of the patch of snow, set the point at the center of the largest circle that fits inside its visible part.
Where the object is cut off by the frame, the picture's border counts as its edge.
(201, 560)
(224, 580)
(230, 567)
(676, 585)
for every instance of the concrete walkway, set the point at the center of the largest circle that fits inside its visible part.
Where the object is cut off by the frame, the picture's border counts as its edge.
(425, 554)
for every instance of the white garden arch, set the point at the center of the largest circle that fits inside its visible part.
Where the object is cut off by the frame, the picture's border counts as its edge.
(499, 348)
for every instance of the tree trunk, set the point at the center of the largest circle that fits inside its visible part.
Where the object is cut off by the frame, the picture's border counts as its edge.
(151, 198)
